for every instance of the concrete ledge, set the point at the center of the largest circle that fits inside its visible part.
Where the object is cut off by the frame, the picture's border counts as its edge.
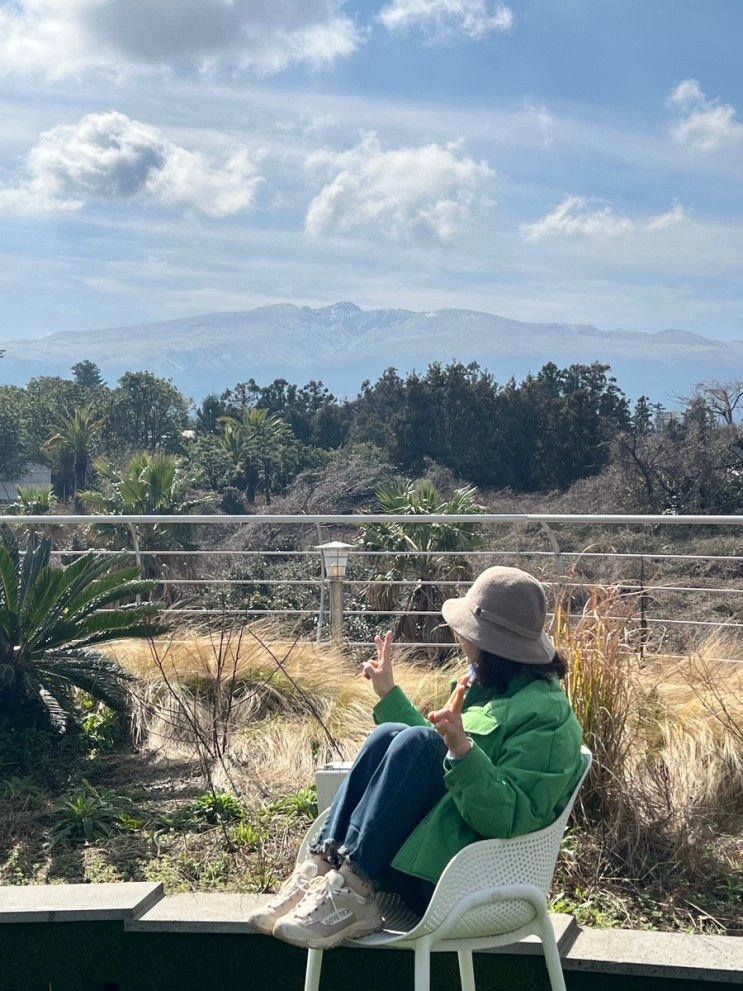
(77, 902)
(657, 954)
(142, 908)
(196, 912)
(609, 951)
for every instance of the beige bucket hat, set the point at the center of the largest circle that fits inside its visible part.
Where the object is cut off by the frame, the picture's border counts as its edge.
(503, 612)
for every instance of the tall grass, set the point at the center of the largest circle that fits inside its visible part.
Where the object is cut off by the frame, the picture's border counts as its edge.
(280, 705)
(667, 738)
(667, 781)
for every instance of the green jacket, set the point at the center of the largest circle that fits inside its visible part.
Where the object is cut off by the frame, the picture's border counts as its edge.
(517, 778)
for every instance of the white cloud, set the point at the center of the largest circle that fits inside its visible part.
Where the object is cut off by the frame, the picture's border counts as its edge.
(703, 125)
(543, 119)
(686, 94)
(426, 191)
(109, 156)
(442, 18)
(581, 216)
(63, 37)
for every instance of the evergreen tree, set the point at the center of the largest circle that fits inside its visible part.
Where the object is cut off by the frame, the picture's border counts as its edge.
(87, 375)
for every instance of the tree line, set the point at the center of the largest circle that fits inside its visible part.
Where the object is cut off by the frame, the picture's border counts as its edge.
(142, 443)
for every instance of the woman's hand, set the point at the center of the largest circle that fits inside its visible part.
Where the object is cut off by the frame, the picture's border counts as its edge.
(379, 671)
(448, 721)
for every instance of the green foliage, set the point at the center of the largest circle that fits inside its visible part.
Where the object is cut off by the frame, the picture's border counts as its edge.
(34, 501)
(263, 450)
(217, 808)
(101, 726)
(145, 412)
(17, 788)
(87, 375)
(51, 621)
(209, 809)
(541, 434)
(302, 804)
(149, 483)
(315, 416)
(26, 749)
(247, 835)
(545, 433)
(14, 447)
(439, 564)
(401, 498)
(92, 814)
(72, 447)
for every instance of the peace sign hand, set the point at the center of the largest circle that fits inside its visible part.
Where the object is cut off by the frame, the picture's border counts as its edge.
(448, 721)
(379, 671)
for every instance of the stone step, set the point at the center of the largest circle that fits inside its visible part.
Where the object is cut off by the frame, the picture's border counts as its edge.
(122, 901)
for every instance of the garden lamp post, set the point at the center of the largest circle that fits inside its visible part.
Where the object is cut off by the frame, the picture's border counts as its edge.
(335, 560)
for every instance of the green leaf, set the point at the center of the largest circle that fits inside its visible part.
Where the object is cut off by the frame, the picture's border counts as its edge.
(9, 584)
(99, 676)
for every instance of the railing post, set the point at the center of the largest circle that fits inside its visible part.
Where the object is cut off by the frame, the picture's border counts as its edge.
(336, 610)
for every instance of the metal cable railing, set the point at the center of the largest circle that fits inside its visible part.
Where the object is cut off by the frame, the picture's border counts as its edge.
(189, 572)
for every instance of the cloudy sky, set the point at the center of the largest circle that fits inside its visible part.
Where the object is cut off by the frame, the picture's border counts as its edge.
(568, 160)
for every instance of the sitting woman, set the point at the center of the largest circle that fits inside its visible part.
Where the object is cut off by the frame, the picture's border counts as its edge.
(501, 759)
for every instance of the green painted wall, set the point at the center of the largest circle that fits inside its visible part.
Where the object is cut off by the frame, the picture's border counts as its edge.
(101, 956)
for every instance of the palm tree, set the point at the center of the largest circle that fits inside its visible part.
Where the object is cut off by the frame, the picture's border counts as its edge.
(150, 484)
(259, 445)
(52, 618)
(73, 445)
(427, 569)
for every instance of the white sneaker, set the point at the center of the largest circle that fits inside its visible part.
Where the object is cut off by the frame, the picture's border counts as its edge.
(289, 895)
(337, 906)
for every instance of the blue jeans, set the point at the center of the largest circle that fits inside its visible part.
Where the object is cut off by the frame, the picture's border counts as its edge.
(397, 778)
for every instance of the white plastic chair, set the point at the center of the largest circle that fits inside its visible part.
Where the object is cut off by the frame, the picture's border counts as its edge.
(492, 893)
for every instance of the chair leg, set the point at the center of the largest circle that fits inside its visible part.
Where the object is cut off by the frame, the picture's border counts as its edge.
(312, 973)
(422, 968)
(466, 970)
(552, 956)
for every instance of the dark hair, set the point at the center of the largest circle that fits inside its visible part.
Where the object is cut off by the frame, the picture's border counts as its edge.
(496, 672)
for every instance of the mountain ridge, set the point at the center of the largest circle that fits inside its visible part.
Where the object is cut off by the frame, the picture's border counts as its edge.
(342, 345)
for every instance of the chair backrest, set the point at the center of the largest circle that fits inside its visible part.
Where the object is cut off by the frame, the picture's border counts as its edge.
(528, 859)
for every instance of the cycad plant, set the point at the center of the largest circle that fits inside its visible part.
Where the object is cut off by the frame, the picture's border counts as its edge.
(51, 621)
(427, 570)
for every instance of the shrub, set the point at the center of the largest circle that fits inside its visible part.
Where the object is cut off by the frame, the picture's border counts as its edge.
(302, 804)
(217, 808)
(93, 814)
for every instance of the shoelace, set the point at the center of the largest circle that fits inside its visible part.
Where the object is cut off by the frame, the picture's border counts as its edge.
(325, 882)
(304, 884)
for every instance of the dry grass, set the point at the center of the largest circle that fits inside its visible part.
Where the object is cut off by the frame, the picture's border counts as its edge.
(664, 803)
(661, 814)
(282, 717)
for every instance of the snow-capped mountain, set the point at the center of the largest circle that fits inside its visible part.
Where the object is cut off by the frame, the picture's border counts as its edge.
(342, 345)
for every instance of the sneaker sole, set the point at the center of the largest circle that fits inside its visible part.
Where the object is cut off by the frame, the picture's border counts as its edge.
(264, 924)
(328, 942)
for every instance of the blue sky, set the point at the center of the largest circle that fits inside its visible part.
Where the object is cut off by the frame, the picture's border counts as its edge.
(547, 160)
